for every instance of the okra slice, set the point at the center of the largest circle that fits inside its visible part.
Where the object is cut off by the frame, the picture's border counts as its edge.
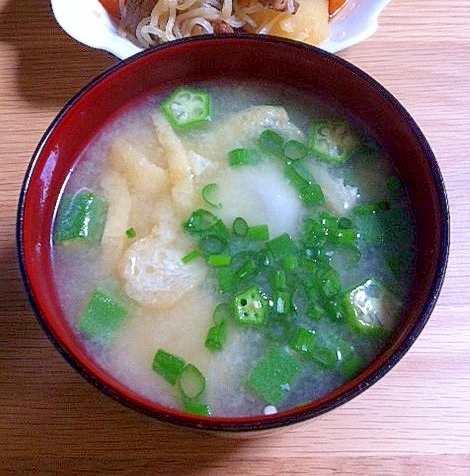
(333, 140)
(371, 307)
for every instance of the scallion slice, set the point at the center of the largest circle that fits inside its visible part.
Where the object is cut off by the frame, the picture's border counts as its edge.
(191, 256)
(102, 317)
(131, 233)
(226, 279)
(200, 221)
(219, 260)
(242, 156)
(304, 341)
(295, 150)
(213, 244)
(167, 365)
(240, 226)
(216, 336)
(248, 268)
(197, 408)
(271, 143)
(258, 233)
(80, 218)
(222, 311)
(209, 195)
(191, 382)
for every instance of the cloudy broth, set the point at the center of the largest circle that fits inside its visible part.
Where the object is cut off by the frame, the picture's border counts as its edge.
(152, 178)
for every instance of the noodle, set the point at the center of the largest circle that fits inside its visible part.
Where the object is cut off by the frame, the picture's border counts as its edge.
(173, 19)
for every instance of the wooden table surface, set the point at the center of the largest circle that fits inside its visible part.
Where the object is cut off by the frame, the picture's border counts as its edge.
(415, 421)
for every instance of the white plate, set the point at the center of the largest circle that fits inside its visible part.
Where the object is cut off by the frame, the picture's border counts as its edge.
(88, 23)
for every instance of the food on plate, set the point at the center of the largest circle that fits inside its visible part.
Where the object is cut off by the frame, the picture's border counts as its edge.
(233, 249)
(151, 22)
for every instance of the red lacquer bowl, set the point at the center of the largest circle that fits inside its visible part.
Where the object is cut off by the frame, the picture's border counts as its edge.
(207, 58)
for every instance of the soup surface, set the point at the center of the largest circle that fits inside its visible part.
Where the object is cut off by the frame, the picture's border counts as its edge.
(233, 250)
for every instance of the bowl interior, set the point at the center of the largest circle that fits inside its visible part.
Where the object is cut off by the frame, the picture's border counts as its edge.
(293, 64)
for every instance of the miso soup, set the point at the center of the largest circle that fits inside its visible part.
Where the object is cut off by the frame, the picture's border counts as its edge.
(234, 250)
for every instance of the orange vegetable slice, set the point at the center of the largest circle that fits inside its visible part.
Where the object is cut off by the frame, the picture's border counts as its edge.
(112, 7)
(335, 5)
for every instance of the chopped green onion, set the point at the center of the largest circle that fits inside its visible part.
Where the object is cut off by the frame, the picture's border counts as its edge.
(243, 157)
(131, 233)
(226, 279)
(351, 365)
(327, 278)
(209, 193)
(80, 218)
(304, 341)
(371, 208)
(240, 226)
(250, 307)
(345, 223)
(346, 256)
(258, 233)
(295, 150)
(282, 302)
(248, 268)
(309, 192)
(223, 311)
(394, 184)
(191, 382)
(325, 357)
(323, 228)
(187, 107)
(200, 221)
(167, 365)
(348, 358)
(102, 317)
(213, 244)
(282, 246)
(316, 312)
(270, 142)
(290, 262)
(335, 309)
(219, 260)
(345, 237)
(191, 256)
(196, 408)
(274, 376)
(217, 336)
(280, 280)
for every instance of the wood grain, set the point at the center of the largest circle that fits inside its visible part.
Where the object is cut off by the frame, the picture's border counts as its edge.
(415, 421)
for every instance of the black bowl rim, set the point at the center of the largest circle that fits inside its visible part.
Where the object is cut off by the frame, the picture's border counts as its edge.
(283, 419)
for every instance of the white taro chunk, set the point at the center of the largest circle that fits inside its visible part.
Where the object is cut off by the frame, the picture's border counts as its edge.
(264, 197)
(153, 271)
